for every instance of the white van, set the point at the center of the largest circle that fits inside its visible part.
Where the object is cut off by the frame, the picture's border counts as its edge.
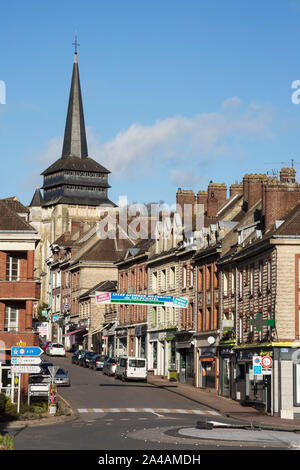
(131, 368)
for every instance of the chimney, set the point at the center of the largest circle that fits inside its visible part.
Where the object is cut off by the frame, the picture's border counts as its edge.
(236, 188)
(202, 199)
(288, 175)
(216, 197)
(253, 188)
(184, 197)
(280, 197)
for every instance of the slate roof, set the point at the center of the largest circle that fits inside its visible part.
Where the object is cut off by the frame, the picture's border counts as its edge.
(10, 220)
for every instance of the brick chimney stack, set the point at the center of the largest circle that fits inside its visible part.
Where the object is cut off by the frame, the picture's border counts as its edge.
(236, 188)
(279, 197)
(202, 199)
(217, 193)
(253, 188)
(184, 197)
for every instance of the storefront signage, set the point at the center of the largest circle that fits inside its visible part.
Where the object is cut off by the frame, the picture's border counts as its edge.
(260, 322)
(136, 299)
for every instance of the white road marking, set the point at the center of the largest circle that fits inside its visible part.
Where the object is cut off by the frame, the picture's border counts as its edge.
(156, 411)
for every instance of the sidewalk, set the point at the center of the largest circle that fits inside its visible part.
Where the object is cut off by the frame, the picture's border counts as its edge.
(227, 407)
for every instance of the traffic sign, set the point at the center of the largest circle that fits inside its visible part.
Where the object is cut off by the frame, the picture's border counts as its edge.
(26, 369)
(257, 370)
(256, 360)
(26, 360)
(267, 361)
(26, 351)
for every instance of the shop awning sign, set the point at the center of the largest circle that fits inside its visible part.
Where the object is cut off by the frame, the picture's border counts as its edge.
(136, 299)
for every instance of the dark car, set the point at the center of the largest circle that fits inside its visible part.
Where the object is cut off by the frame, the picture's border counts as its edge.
(110, 365)
(81, 358)
(87, 358)
(75, 356)
(44, 367)
(46, 345)
(97, 362)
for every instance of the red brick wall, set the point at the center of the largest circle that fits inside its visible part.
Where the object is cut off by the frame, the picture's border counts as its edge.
(278, 201)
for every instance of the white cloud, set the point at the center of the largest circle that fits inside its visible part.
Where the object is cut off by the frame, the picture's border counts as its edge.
(174, 141)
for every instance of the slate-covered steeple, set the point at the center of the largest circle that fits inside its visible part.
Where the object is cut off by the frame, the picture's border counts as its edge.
(75, 178)
(75, 139)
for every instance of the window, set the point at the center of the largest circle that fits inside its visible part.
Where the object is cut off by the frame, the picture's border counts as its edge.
(184, 277)
(260, 277)
(251, 280)
(269, 274)
(172, 278)
(233, 281)
(172, 315)
(208, 278)
(225, 282)
(200, 279)
(11, 318)
(153, 317)
(154, 281)
(163, 284)
(241, 276)
(162, 315)
(12, 268)
(191, 276)
(241, 330)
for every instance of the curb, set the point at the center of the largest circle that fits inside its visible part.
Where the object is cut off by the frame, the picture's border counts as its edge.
(42, 421)
(256, 425)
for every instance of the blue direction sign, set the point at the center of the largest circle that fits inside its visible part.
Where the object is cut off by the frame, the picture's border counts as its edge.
(26, 351)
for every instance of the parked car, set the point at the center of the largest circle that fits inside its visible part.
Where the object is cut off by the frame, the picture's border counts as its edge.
(109, 366)
(82, 358)
(131, 368)
(87, 358)
(55, 349)
(79, 355)
(44, 367)
(97, 362)
(74, 358)
(61, 378)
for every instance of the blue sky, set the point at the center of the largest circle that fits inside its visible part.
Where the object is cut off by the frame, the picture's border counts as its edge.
(176, 93)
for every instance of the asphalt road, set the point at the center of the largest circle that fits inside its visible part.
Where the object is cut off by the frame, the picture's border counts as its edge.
(113, 415)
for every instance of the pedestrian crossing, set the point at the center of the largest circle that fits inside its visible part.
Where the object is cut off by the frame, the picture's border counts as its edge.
(148, 410)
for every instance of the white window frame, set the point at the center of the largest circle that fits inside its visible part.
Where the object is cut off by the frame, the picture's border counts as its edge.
(9, 259)
(8, 325)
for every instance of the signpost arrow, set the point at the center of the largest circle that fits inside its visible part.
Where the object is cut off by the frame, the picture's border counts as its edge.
(26, 351)
(26, 360)
(26, 369)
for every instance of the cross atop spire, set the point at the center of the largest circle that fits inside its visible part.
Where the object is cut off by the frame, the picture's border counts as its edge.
(76, 44)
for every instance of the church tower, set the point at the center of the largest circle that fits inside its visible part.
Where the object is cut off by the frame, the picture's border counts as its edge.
(75, 178)
(75, 187)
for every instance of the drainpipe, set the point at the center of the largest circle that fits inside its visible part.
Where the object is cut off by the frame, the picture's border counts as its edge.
(196, 368)
(236, 305)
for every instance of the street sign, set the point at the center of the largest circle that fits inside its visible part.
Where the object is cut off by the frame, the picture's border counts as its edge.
(257, 370)
(26, 360)
(53, 370)
(266, 361)
(256, 360)
(38, 390)
(26, 351)
(26, 369)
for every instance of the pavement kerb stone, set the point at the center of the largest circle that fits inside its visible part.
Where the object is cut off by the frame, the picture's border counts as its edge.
(42, 421)
(248, 422)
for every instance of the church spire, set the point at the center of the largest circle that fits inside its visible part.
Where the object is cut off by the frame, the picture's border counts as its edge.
(75, 138)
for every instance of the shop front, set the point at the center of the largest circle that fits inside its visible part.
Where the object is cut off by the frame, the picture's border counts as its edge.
(252, 387)
(185, 357)
(207, 358)
(121, 341)
(140, 340)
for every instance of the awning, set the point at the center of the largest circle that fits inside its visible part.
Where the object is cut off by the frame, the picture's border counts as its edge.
(75, 332)
(207, 359)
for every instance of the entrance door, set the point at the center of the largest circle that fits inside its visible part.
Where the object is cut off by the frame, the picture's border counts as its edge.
(5, 380)
(210, 373)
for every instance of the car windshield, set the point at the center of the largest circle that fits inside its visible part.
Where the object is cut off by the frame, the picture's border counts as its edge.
(57, 345)
(60, 372)
(136, 363)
